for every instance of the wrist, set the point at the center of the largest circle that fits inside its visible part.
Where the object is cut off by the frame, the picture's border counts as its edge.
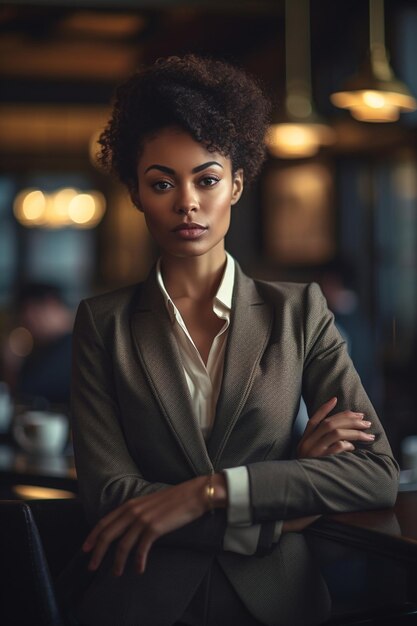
(220, 499)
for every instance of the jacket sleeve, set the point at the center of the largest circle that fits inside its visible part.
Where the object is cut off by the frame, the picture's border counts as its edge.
(107, 474)
(364, 479)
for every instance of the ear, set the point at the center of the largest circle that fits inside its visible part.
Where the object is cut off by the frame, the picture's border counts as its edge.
(237, 185)
(134, 196)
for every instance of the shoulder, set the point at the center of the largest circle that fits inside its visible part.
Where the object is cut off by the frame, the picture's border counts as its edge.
(298, 297)
(112, 301)
(108, 310)
(301, 309)
(291, 295)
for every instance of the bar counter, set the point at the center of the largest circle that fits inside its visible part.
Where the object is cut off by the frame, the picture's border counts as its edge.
(389, 532)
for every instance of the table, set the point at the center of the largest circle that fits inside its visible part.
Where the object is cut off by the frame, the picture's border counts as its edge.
(390, 532)
(52, 471)
(373, 559)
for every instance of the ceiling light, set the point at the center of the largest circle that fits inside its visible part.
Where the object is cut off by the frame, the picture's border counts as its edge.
(375, 94)
(298, 131)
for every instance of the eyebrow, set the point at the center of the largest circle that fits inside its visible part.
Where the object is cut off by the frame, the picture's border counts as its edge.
(195, 170)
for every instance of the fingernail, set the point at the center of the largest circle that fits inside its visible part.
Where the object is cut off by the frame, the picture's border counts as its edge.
(370, 436)
(117, 572)
(367, 423)
(86, 546)
(361, 415)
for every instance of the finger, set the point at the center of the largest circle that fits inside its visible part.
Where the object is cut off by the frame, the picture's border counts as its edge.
(346, 435)
(321, 447)
(146, 542)
(105, 521)
(107, 536)
(124, 547)
(321, 450)
(322, 412)
(341, 420)
(351, 415)
(338, 447)
(342, 440)
(334, 423)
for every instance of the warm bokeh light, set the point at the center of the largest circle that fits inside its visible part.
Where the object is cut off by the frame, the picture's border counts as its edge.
(374, 99)
(86, 209)
(33, 205)
(369, 105)
(64, 207)
(32, 492)
(293, 141)
(81, 209)
(61, 200)
(30, 207)
(20, 342)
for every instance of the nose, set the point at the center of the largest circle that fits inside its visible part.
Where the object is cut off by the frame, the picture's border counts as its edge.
(186, 200)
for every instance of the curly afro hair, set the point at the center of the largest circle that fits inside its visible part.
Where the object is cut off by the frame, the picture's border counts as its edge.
(216, 103)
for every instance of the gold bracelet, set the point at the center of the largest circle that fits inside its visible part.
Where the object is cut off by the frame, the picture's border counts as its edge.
(210, 493)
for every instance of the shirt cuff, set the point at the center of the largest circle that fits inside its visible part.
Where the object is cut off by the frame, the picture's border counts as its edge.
(238, 509)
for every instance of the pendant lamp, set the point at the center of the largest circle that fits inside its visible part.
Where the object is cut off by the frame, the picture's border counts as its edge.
(375, 94)
(298, 131)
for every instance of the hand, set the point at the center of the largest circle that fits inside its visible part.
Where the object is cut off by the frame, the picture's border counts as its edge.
(140, 521)
(324, 436)
(330, 435)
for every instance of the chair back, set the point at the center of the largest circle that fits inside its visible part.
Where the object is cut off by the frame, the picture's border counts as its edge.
(37, 540)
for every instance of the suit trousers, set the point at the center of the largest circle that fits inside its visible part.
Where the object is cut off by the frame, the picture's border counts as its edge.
(216, 603)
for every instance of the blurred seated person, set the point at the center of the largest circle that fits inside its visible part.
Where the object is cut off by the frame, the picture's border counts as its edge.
(43, 377)
(336, 279)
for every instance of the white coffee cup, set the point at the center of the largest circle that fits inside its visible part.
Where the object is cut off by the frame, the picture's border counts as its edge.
(41, 432)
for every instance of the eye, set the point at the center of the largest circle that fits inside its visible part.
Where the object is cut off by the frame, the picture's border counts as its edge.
(162, 185)
(209, 181)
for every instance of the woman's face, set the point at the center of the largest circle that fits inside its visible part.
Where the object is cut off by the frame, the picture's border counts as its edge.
(186, 193)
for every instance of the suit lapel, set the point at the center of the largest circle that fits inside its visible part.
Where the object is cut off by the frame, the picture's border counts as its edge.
(249, 331)
(159, 355)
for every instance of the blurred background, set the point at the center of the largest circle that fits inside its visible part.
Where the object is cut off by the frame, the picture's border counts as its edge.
(343, 212)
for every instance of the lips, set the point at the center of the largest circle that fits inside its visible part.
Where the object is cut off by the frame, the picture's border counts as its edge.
(190, 231)
(189, 226)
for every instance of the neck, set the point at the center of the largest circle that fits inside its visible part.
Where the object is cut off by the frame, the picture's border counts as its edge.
(196, 277)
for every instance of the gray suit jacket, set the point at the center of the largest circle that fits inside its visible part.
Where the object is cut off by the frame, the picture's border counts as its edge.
(134, 433)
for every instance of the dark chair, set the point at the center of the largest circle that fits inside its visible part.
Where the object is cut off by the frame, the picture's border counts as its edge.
(38, 538)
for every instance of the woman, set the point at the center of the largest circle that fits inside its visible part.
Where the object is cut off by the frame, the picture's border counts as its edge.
(186, 387)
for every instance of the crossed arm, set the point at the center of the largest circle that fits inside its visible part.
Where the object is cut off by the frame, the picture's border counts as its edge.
(140, 521)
